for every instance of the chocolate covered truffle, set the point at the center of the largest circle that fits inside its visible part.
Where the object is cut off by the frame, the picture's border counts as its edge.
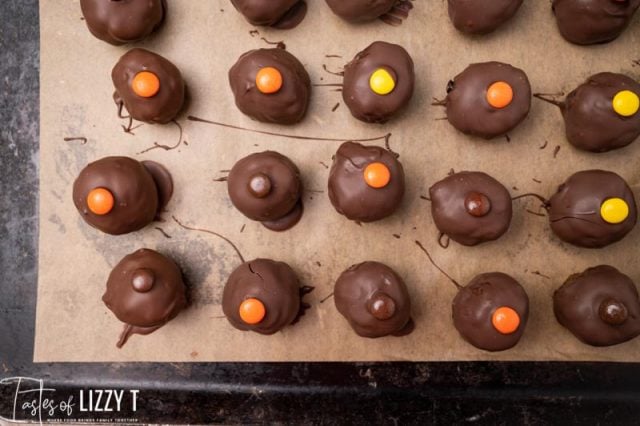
(471, 207)
(262, 296)
(266, 187)
(360, 10)
(282, 14)
(473, 17)
(374, 299)
(366, 183)
(593, 208)
(491, 311)
(271, 85)
(593, 21)
(378, 82)
(488, 99)
(123, 21)
(145, 291)
(603, 113)
(148, 86)
(600, 306)
(118, 195)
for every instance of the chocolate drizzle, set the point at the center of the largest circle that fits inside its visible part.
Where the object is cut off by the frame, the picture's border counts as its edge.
(288, 136)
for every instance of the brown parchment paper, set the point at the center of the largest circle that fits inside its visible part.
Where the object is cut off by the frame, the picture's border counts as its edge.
(204, 38)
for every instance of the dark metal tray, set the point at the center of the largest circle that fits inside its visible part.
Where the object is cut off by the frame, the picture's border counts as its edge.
(394, 393)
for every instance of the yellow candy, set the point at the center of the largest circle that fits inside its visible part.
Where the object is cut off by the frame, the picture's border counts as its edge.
(626, 103)
(614, 210)
(382, 82)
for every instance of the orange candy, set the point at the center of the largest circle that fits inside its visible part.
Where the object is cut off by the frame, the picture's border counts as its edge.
(499, 94)
(100, 201)
(268, 80)
(377, 175)
(145, 84)
(505, 320)
(252, 311)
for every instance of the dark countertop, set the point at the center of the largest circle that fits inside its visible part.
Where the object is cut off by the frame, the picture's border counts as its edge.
(393, 393)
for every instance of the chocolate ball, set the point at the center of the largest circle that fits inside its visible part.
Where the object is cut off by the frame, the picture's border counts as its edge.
(374, 299)
(145, 290)
(288, 104)
(358, 93)
(575, 210)
(599, 306)
(468, 106)
(471, 207)
(161, 106)
(472, 17)
(123, 21)
(349, 191)
(282, 14)
(273, 284)
(476, 303)
(138, 191)
(266, 187)
(591, 121)
(593, 21)
(360, 10)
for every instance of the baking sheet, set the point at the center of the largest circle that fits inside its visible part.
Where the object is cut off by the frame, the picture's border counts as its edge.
(204, 39)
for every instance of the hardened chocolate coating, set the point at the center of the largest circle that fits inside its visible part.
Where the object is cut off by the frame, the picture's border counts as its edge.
(286, 106)
(274, 284)
(266, 187)
(374, 299)
(360, 10)
(474, 305)
(574, 210)
(471, 207)
(599, 306)
(140, 190)
(145, 290)
(591, 123)
(282, 14)
(123, 21)
(593, 21)
(473, 17)
(468, 109)
(350, 194)
(166, 104)
(363, 102)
